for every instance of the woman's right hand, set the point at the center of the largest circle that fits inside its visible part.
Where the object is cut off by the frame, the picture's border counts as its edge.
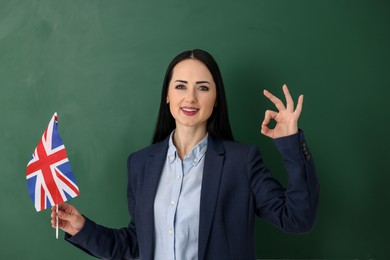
(69, 219)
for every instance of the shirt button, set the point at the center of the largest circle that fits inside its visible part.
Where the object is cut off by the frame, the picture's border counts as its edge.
(178, 177)
(172, 202)
(170, 232)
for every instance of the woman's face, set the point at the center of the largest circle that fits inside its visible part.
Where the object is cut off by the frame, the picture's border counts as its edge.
(191, 94)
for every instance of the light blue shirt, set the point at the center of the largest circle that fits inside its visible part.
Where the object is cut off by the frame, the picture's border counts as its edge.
(177, 204)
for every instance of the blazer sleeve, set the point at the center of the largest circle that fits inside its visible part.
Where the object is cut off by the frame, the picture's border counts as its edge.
(106, 243)
(292, 209)
(109, 243)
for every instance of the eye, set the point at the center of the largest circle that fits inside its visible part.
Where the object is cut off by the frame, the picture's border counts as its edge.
(180, 87)
(203, 88)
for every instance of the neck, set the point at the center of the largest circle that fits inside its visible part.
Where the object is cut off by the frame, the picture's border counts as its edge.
(185, 139)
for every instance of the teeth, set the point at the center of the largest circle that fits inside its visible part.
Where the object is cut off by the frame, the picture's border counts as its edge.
(190, 109)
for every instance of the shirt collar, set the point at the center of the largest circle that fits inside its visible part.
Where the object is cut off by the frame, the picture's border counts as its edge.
(194, 156)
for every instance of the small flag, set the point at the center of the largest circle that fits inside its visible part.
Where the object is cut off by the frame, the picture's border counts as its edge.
(49, 177)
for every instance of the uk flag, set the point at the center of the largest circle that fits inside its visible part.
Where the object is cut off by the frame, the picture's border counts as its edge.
(49, 177)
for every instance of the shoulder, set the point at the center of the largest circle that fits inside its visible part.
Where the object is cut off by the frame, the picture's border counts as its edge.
(149, 151)
(234, 145)
(231, 148)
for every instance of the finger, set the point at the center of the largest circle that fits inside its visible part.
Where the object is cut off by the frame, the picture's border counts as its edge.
(54, 223)
(289, 100)
(67, 208)
(64, 206)
(298, 109)
(277, 102)
(65, 216)
(265, 130)
(54, 219)
(61, 224)
(268, 116)
(53, 215)
(53, 209)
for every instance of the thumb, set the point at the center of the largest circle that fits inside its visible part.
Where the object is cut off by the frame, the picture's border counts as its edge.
(71, 222)
(65, 216)
(71, 217)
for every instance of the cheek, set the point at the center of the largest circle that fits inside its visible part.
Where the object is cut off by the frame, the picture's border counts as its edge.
(173, 109)
(210, 105)
(213, 102)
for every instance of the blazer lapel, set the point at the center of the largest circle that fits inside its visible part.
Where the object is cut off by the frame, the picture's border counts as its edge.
(212, 172)
(153, 169)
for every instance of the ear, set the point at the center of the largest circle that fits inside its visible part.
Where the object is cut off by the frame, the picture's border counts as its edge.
(167, 99)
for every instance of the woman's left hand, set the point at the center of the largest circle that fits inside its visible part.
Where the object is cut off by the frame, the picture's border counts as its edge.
(286, 118)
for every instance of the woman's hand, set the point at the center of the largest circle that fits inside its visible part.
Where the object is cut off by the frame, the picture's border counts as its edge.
(286, 118)
(69, 219)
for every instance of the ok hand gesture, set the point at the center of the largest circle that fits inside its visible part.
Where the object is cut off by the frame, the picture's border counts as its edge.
(286, 118)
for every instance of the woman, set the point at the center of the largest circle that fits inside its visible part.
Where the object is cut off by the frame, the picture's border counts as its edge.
(194, 193)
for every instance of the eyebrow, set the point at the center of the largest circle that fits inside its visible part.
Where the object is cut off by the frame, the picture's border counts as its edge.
(197, 82)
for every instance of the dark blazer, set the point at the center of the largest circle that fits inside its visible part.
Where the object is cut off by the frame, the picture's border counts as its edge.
(236, 186)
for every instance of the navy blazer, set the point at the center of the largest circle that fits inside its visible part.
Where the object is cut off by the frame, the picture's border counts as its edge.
(236, 186)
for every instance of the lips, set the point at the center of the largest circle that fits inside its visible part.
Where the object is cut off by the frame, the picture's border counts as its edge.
(189, 111)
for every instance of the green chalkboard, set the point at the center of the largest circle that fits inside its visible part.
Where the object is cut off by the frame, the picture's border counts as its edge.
(100, 65)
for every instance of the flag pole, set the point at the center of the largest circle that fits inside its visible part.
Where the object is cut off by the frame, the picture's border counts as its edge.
(56, 221)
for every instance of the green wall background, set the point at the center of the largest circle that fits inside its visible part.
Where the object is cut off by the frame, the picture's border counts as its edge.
(100, 65)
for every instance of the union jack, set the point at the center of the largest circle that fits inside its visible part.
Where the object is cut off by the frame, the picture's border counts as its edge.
(49, 177)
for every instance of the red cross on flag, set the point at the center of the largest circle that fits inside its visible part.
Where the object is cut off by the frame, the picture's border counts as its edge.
(49, 177)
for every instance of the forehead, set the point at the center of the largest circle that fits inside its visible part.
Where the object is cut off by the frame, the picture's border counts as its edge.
(191, 69)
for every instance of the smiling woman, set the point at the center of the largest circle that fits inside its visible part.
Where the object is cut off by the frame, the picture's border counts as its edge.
(185, 190)
(218, 124)
(191, 98)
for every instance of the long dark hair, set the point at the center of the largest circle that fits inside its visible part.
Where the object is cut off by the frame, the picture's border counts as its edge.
(218, 124)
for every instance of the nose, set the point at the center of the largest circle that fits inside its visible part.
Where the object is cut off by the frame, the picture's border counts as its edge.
(191, 96)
